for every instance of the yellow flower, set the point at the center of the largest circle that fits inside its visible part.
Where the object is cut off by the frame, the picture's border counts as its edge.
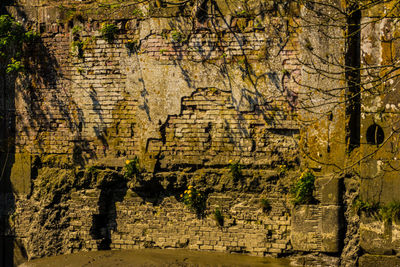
(185, 191)
(198, 194)
(190, 195)
(189, 191)
(230, 161)
(190, 186)
(127, 161)
(181, 195)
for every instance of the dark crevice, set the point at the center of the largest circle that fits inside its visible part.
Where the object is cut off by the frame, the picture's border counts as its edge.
(353, 77)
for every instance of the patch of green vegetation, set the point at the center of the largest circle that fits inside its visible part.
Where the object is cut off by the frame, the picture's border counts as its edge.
(194, 200)
(390, 212)
(219, 217)
(132, 46)
(265, 205)
(108, 32)
(303, 189)
(236, 170)
(178, 37)
(137, 13)
(15, 66)
(76, 30)
(132, 168)
(282, 169)
(78, 46)
(12, 37)
(370, 208)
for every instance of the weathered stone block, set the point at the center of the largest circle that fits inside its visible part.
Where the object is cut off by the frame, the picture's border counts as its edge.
(331, 224)
(20, 176)
(328, 190)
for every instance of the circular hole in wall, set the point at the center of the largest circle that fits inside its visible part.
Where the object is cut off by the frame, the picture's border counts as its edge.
(375, 135)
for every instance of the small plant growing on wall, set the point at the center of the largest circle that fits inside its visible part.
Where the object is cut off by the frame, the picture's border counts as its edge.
(265, 205)
(132, 168)
(12, 38)
(390, 212)
(370, 208)
(76, 30)
(236, 170)
(282, 169)
(178, 37)
(78, 46)
(219, 217)
(132, 46)
(108, 32)
(194, 200)
(303, 189)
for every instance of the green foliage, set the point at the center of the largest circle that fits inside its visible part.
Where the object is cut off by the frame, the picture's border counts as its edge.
(137, 13)
(12, 38)
(76, 30)
(303, 189)
(360, 205)
(108, 32)
(219, 217)
(195, 200)
(236, 170)
(387, 213)
(79, 45)
(282, 169)
(15, 66)
(178, 37)
(265, 205)
(132, 168)
(132, 46)
(390, 212)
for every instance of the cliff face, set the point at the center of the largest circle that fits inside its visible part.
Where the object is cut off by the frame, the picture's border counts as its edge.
(124, 106)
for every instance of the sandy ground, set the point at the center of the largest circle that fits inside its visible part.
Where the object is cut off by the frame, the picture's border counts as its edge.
(154, 257)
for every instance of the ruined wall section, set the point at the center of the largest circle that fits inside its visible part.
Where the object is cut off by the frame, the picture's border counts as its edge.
(189, 96)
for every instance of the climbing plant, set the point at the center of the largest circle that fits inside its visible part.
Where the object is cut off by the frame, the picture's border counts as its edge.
(12, 38)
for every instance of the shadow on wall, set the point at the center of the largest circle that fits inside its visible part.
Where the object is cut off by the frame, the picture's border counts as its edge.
(7, 158)
(23, 113)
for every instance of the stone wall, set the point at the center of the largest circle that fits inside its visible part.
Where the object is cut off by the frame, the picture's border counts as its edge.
(187, 93)
(191, 89)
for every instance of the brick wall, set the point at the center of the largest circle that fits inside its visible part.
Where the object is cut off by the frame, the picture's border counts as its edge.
(187, 98)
